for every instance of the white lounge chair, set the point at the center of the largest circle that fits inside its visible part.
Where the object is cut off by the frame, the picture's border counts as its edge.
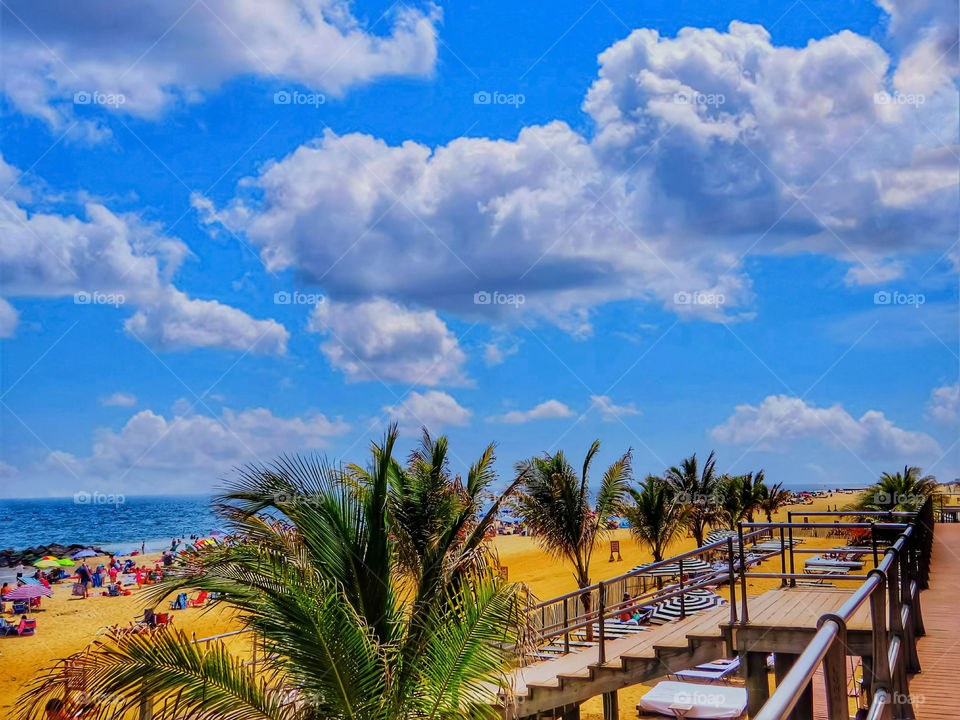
(689, 700)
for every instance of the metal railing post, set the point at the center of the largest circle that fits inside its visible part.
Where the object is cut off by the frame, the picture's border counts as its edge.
(793, 581)
(744, 613)
(733, 581)
(601, 611)
(566, 623)
(873, 542)
(783, 559)
(683, 603)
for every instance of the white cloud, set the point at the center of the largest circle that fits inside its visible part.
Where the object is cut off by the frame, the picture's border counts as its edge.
(7, 470)
(186, 449)
(874, 274)
(687, 188)
(543, 411)
(495, 353)
(609, 411)
(944, 404)
(160, 54)
(433, 409)
(126, 262)
(380, 340)
(780, 419)
(8, 319)
(119, 399)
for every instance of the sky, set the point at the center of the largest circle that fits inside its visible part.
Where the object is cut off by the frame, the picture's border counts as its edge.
(233, 230)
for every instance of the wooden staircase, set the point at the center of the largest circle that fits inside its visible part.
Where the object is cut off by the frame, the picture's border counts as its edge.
(543, 687)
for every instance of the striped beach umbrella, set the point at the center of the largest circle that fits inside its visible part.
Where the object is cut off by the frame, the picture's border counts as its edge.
(691, 566)
(693, 601)
(28, 592)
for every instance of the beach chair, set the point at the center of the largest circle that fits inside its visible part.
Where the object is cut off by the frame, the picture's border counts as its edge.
(180, 603)
(113, 591)
(719, 670)
(26, 627)
(199, 600)
(19, 608)
(162, 620)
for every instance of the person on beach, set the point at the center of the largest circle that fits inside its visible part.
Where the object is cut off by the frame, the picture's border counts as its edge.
(19, 570)
(84, 575)
(113, 573)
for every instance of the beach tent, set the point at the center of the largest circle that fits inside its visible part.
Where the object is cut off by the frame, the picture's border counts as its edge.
(28, 592)
(704, 701)
(83, 554)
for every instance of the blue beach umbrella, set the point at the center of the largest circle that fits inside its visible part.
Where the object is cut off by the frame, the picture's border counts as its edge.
(83, 554)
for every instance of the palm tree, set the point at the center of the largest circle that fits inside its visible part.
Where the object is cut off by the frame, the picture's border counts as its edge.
(555, 504)
(773, 498)
(734, 499)
(348, 629)
(697, 490)
(657, 517)
(754, 487)
(902, 491)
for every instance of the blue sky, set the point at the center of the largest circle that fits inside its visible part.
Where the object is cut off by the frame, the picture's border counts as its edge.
(704, 226)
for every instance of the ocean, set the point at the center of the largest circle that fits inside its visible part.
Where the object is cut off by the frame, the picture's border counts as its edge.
(117, 524)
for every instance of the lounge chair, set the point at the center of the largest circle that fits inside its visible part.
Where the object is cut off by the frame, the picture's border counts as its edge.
(718, 670)
(199, 600)
(688, 700)
(19, 608)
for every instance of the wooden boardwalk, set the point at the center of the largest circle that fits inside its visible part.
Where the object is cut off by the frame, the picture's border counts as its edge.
(935, 691)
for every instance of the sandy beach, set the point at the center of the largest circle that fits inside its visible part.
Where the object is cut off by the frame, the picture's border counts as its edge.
(66, 625)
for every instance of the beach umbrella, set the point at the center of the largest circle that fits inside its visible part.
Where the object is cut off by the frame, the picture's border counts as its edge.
(48, 557)
(717, 535)
(66, 562)
(216, 532)
(691, 566)
(45, 563)
(28, 592)
(83, 554)
(693, 601)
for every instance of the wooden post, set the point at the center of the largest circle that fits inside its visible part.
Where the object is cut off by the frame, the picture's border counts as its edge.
(571, 712)
(758, 689)
(835, 679)
(611, 706)
(566, 635)
(782, 662)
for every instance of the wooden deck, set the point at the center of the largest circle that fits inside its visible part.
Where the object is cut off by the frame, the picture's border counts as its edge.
(934, 690)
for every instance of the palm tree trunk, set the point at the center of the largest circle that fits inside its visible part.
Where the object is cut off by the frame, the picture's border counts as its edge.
(586, 601)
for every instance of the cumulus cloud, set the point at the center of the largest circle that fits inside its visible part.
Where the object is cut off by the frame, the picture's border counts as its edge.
(380, 340)
(707, 146)
(495, 353)
(110, 261)
(944, 404)
(610, 412)
(433, 409)
(8, 319)
(160, 54)
(189, 446)
(119, 399)
(780, 419)
(543, 411)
